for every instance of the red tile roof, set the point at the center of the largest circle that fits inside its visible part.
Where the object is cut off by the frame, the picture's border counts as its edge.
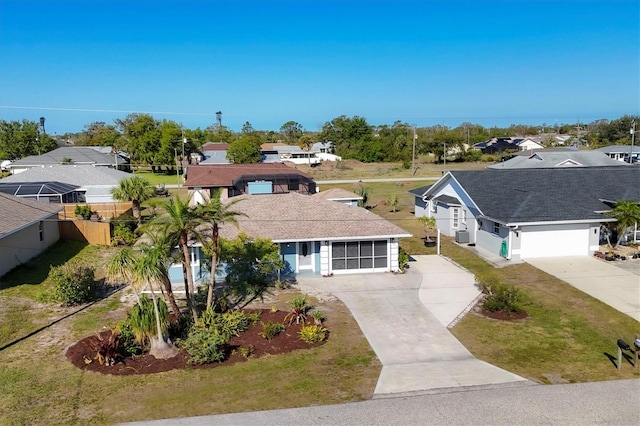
(217, 175)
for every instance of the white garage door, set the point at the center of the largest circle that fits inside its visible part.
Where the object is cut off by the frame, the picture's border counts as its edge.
(554, 241)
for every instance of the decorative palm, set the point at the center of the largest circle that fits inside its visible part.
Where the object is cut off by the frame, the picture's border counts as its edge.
(179, 223)
(306, 143)
(216, 213)
(135, 189)
(626, 213)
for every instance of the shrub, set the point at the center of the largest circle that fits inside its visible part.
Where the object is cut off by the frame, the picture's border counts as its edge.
(74, 283)
(107, 348)
(123, 235)
(403, 259)
(299, 310)
(204, 346)
(254, 317)
(128, 344)
(228, 324)
(317, 316)
(505, 298)
(313, 333)
(83, 211)
(271, 329)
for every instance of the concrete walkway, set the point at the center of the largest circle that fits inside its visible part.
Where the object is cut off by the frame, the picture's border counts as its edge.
(617, 287)
(404, 318)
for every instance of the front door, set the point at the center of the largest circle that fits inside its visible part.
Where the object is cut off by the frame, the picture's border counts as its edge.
(305, 256)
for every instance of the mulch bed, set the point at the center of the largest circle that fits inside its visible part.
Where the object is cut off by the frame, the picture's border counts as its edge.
(288, 340)
(504, 315)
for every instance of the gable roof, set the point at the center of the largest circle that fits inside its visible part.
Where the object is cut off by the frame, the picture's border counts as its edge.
(220, 175)
(624, 149)
(546, 195)
(566, 158)
(215, 146)
(278, 217)
(18, 213)
(337, 194)
(78, 155)
(418, 192)
(80, 175)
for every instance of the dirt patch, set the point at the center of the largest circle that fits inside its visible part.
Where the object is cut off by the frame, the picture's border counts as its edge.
(251, 341)
(503, 315)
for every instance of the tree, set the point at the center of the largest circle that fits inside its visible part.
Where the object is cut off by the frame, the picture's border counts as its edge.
(627, 214)
(349, 135)
(98, 133)
(216, 213)
(251, 266)
(19, 139)
(247, 128)
(291, 132)
(306, 143)
(135, 189)
(142, 268)
(245, 150)
(180, 222)
(365, 193)
(140, 137)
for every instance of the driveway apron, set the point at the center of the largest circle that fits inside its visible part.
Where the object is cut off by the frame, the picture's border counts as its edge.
(617, 287)
(417, 351)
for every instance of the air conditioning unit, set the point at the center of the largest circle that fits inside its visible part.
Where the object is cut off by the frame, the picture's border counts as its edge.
(462, 237)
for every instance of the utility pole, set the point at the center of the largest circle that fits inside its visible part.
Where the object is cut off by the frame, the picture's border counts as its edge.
(633, 136)
(413, 153)
(444, 154)
(184, 142)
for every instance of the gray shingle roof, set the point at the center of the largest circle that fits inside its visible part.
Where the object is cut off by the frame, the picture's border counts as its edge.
(546, 159)
(541, 195)
(337, 194)
(293, 216)
(16, 213)
(81, 175)
(419, 191)
(78, 155)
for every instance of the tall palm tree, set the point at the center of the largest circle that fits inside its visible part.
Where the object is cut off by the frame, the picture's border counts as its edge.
(135, 189)
(216, 213)
(626, 213)
(180, 222)
(306, 143)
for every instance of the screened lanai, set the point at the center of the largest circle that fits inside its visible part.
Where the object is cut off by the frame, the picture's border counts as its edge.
(46, 192)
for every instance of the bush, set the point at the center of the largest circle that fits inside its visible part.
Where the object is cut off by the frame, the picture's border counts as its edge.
(83, 211)
(299, 309)
(74, 283)
(123, 235)
(271, 329)
(128, 344)
(313, 333)
(403, 259)
(504, 298)
(228, 324)
(204, 346)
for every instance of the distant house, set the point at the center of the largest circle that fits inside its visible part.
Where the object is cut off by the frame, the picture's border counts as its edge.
(94, 184)
(232, 180)
(340, 195)
(27, 228)
(528, 213)
(280, 153)
(541, 159)
(214, 153)
(622, 152)
(314, 235)
(498, 145)
(69, 156)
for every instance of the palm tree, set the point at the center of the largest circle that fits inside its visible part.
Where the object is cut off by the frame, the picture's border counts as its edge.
(306, 143)
(179, 223)
(216, 213)
(626, 213)
(146, 267)
(135, 189)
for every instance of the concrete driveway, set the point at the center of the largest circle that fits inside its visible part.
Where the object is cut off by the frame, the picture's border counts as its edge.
(413, 343)
(618, 287)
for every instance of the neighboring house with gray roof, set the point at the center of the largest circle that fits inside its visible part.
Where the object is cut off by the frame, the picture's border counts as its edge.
(27, 228)
(340, 195)
(315, 236)
(69, 156)
(94, 183)
(544, 159)
(622, 152)
(528, 213)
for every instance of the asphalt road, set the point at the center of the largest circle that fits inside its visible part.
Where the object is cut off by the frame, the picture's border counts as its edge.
(602, 403)
(334, 182)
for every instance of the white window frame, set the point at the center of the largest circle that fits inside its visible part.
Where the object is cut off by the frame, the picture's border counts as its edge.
(455, 217)
(463, 217)
(496, 228)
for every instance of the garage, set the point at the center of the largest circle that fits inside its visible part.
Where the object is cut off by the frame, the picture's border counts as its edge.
(554, 241)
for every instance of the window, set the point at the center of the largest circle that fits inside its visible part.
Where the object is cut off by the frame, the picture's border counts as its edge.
(41, 230)
(359, 255)
(496, 228)
(464, 217)
(434, 207)
(455, 223)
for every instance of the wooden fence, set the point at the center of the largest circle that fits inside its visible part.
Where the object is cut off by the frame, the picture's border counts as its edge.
(105, 211)
(86, 231)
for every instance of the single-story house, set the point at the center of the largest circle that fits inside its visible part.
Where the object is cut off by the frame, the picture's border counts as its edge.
(94, 183)
(281, 152)
(315, 236)
(237, 179)
(622, 152)
(27, 228)
(542, 159)
(214, 153)
(528, 213)
(497, 145)
(70, 156)
(340, 195)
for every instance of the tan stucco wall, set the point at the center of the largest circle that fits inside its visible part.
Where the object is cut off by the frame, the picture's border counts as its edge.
(23, 245)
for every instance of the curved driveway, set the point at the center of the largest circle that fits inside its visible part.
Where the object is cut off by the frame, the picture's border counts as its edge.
(404, 318)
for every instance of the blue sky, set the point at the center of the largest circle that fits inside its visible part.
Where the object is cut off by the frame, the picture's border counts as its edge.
(268, 62)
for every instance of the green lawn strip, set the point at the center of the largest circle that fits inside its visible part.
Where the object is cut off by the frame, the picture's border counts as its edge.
(37, 383)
